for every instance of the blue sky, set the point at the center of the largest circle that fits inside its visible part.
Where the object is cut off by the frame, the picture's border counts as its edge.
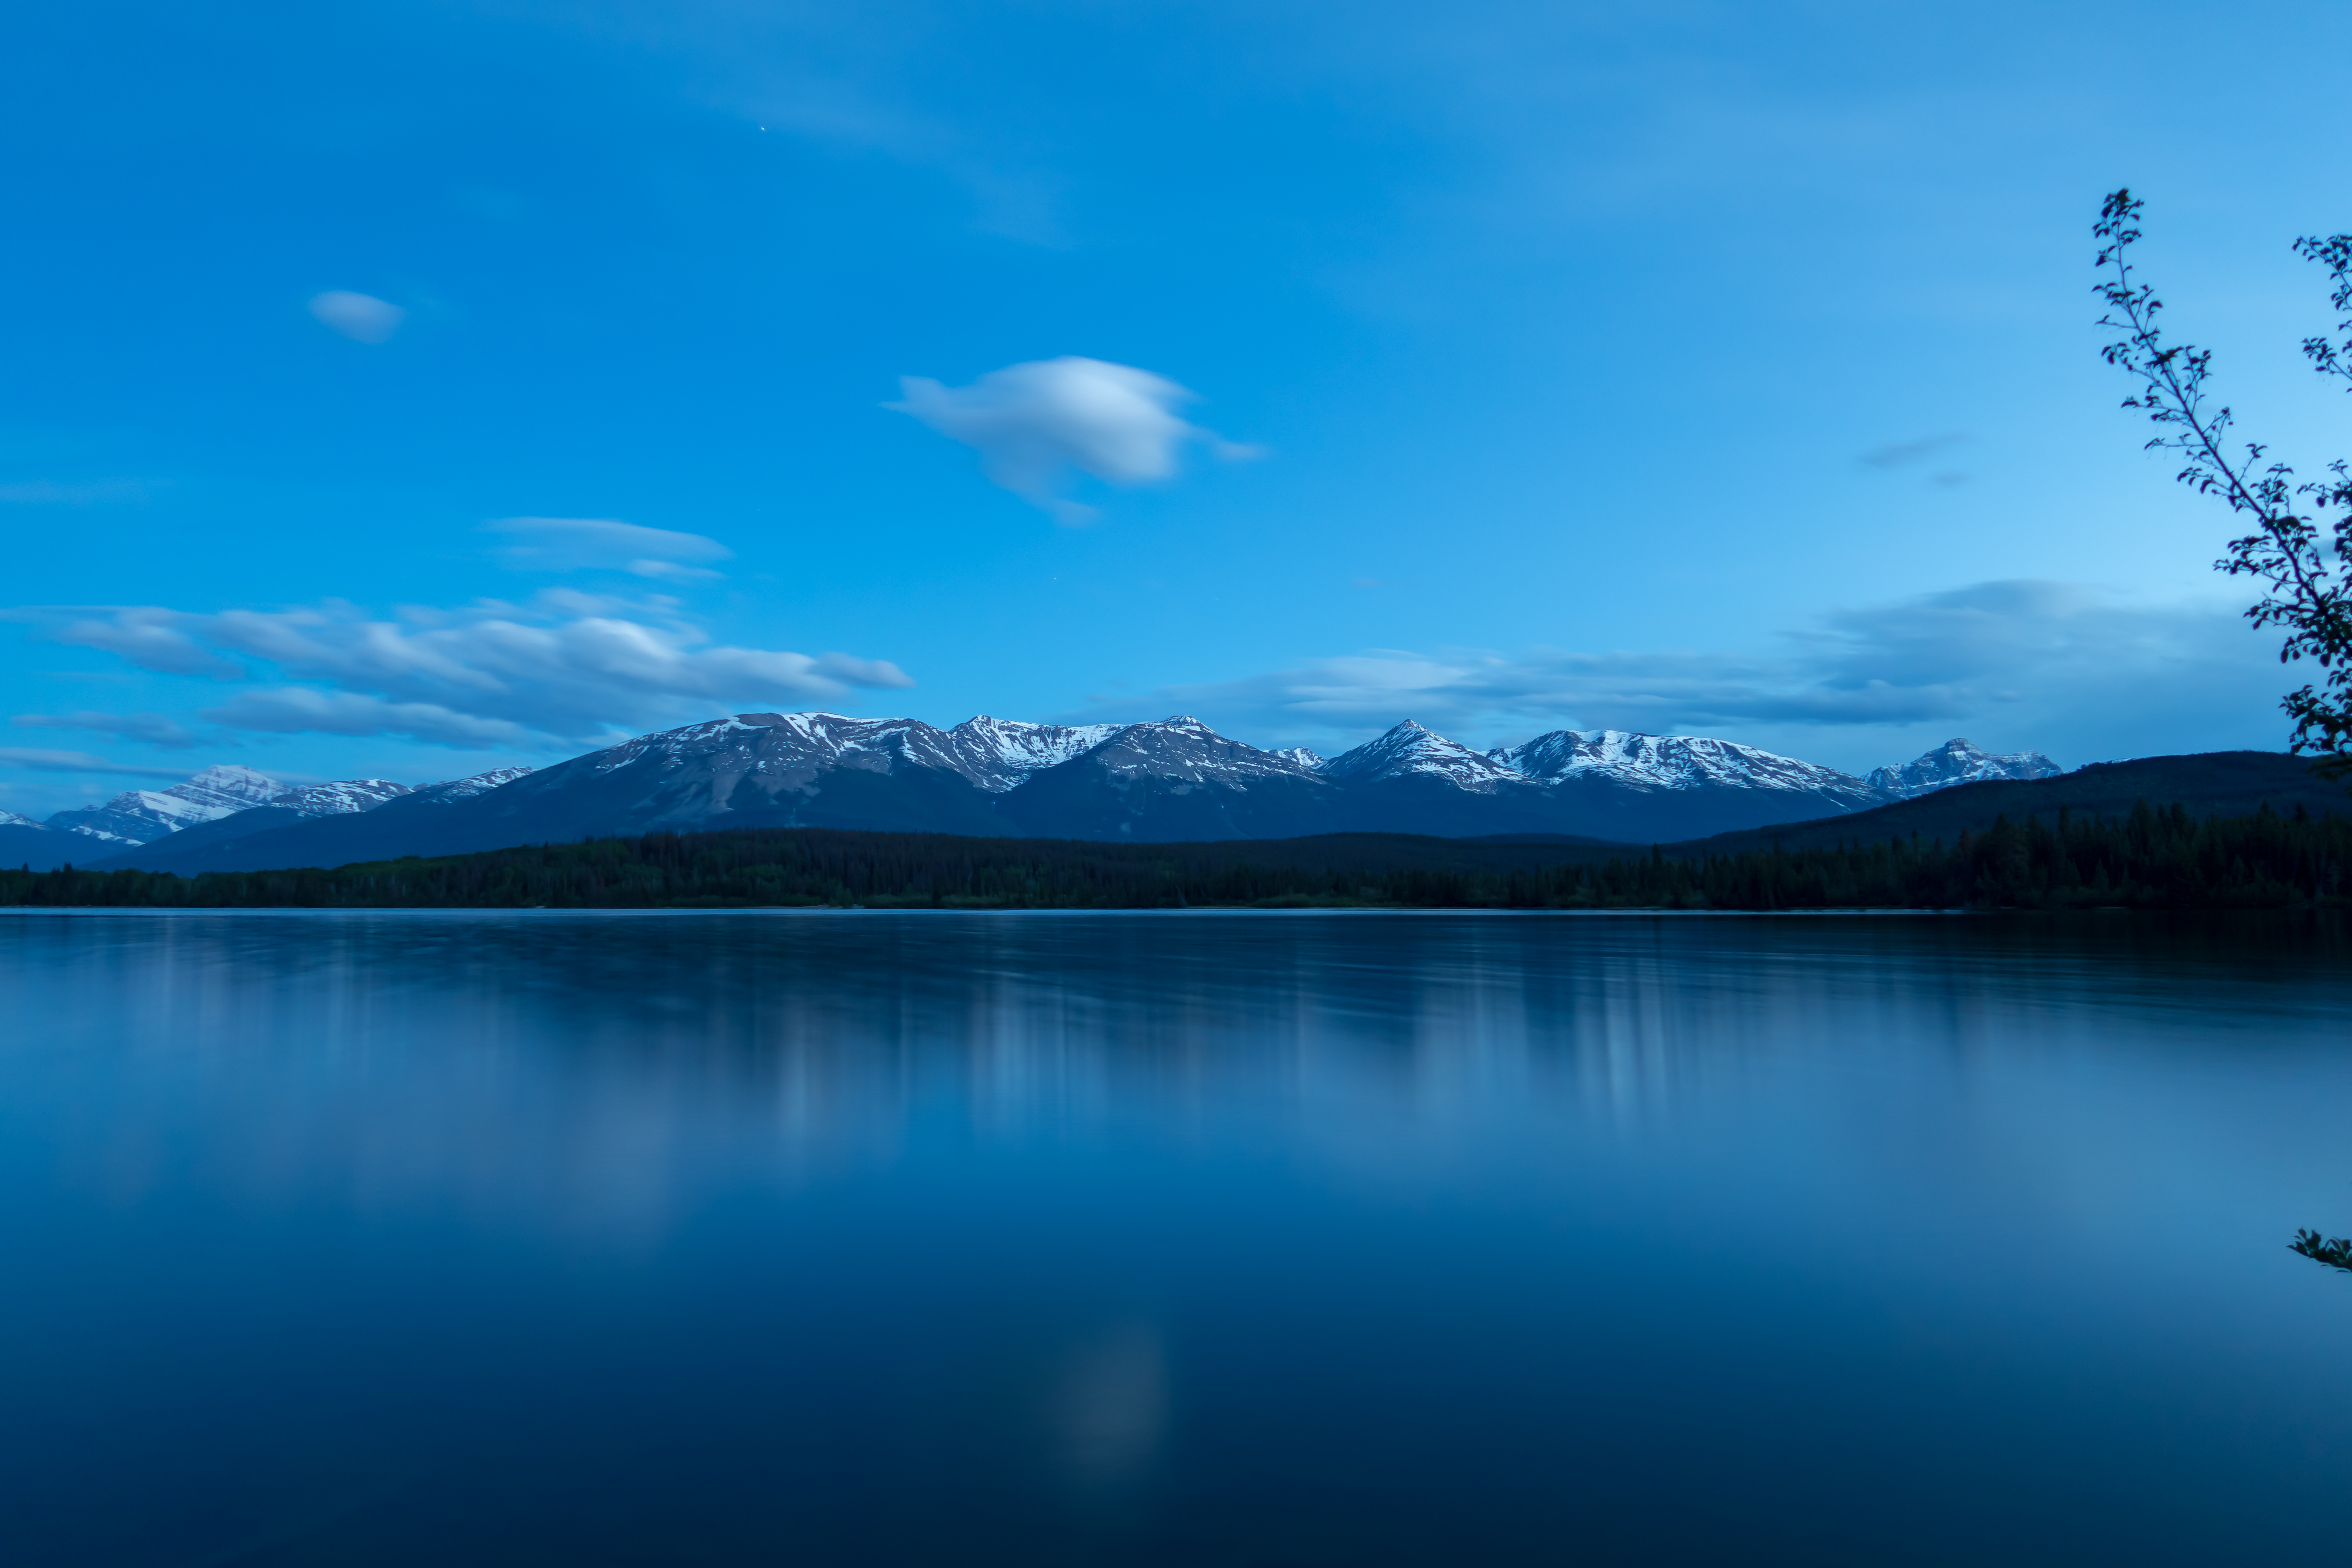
(403, 390)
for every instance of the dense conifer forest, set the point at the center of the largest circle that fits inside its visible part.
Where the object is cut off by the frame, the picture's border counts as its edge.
(2149, 859)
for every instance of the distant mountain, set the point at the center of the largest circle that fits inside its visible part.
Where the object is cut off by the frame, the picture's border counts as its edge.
(1172, 781)
(1414, 780)
(218, 804)
(305, 802)
(1677, 763)
(1410, 752)
(1958, 763)
(227, 843)
(1639, 788)
(142, 817)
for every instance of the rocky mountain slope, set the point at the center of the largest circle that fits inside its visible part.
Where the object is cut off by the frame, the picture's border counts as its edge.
(1171, 780)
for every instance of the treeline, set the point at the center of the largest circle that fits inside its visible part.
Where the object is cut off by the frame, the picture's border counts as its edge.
(2149, 859)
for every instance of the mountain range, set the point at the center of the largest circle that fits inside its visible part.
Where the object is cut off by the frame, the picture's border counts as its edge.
(1172, 781)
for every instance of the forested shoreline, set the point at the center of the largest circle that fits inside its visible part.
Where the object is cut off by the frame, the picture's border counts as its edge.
(2151, 858)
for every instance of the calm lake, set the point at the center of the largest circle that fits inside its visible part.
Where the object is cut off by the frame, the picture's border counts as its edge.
(876, 1238)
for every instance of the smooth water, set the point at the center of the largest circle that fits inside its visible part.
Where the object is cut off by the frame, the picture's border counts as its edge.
(1318, 1239)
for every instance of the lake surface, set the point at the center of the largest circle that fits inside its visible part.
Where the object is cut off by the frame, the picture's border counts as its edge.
(1170, 1239)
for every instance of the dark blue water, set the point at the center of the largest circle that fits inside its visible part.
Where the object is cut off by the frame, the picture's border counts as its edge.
(1193, 1240)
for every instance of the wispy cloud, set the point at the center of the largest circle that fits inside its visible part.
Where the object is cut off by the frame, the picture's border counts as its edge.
(306, 710)
(154, 729)
(851, 80)
(150, 637)
(2082, 671)
(97, 492)
(1034, 424)
(362, 318)
(565, 668)
(598, 543)
(79, 763)
(1902, 454)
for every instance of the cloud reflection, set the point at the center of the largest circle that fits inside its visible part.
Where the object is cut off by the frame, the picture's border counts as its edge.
(1108, 1405)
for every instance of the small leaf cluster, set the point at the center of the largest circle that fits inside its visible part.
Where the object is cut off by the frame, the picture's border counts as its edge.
(2336, 1253)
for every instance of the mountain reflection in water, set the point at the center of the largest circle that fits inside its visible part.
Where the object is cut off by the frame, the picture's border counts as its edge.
(1148, 1238)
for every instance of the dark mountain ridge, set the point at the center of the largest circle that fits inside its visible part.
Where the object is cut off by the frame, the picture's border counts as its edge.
(2207, 784)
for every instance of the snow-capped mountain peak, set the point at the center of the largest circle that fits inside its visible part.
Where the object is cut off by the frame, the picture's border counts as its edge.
(10, 819)
(1956, 761)
(1676, 762)
(143, 816)
(228, 786)
(1184, 749)
(1410, 751)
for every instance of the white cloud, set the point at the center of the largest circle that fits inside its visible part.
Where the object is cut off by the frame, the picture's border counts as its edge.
(567, 668)
(598, 543)
(79, 763)
(1033, 423)
(155, 729)
(362, 318)
(2057, 665)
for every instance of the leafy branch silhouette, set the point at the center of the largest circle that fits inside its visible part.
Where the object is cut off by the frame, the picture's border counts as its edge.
(2336, 1254)
(2294, 537)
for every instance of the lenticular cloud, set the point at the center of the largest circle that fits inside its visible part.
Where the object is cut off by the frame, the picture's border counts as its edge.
(1034, 423)
(590, 544)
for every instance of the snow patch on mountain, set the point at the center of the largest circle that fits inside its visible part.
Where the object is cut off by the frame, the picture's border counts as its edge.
(999, 753)
(466, 788)
(1956, 761)
(341, 798)
(10, 819)
(670, 747)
